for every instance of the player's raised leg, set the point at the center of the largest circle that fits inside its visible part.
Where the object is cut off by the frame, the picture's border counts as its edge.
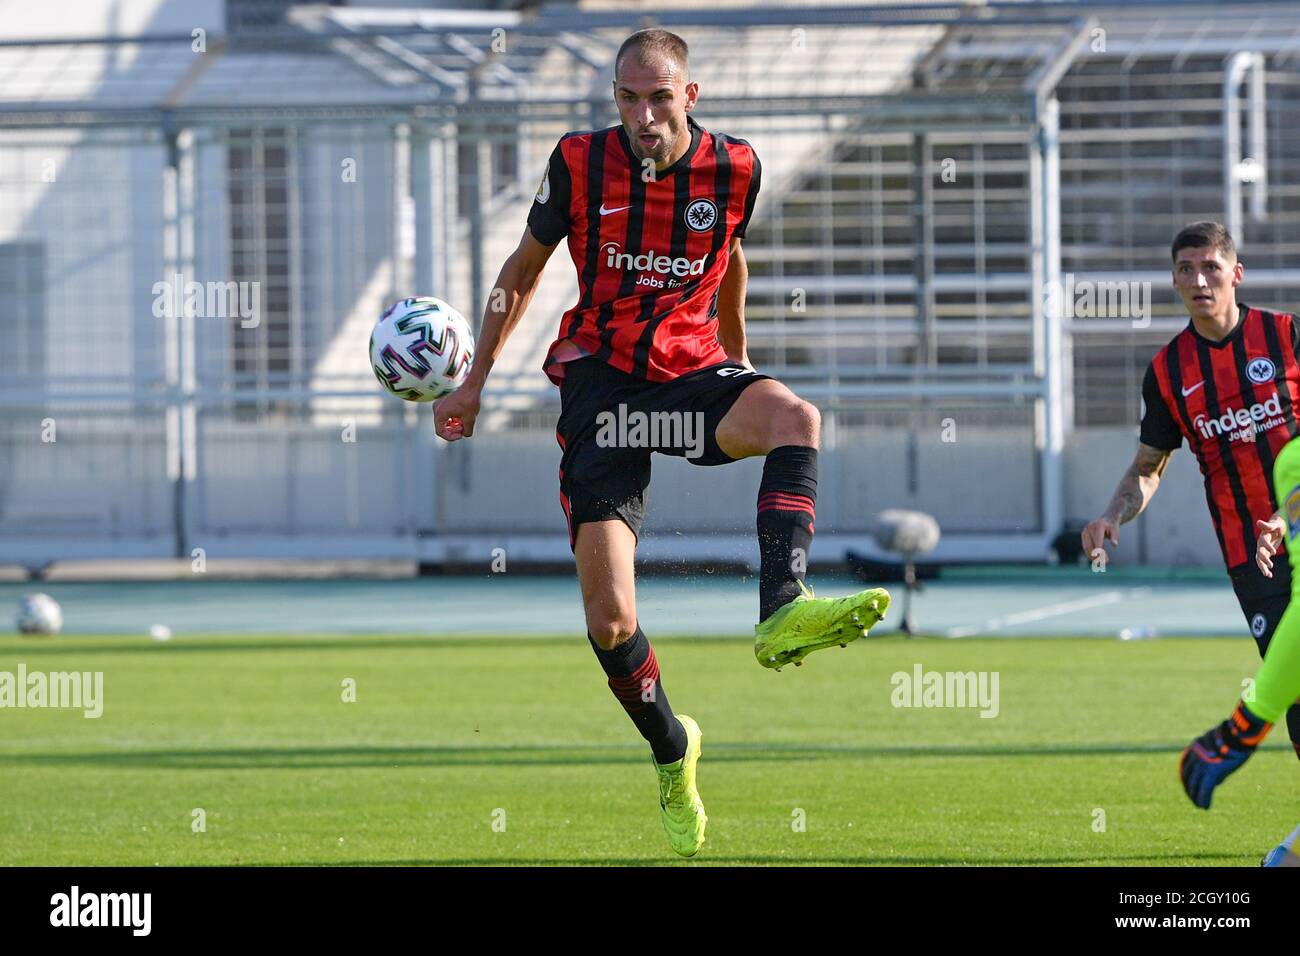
(770, 420)
(605, 553)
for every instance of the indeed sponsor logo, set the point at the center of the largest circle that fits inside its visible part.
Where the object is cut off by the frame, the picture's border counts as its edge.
(1242, 422)
(651, 261)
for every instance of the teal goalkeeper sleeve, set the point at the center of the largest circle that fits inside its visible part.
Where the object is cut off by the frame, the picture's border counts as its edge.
(1277, 683)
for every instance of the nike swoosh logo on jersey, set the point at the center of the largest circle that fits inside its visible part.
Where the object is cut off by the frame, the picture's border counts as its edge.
(1188, 391)
(610, 212)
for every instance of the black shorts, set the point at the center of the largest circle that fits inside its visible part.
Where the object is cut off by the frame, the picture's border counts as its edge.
(611, 422)
(1263, 600)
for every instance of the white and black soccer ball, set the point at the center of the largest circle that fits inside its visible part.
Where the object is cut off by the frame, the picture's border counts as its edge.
(39, 614)
(421, 349)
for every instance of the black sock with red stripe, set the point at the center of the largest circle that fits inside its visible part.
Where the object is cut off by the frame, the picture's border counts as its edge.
(634, 678)
(787, 498)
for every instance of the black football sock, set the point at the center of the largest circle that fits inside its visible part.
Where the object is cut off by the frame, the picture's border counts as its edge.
(634, 678)
(787, 498)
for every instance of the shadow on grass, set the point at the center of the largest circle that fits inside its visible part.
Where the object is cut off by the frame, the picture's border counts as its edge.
(315, 758)
(16, 649)
(765, 860)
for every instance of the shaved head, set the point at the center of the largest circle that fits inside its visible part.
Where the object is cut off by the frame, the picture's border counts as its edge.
(653, 48)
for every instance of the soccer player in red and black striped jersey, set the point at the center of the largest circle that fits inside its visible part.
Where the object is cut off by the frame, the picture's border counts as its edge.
(653, 358)
(1228, 384)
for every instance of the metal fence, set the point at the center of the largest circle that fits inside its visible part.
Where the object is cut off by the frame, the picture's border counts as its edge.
(191, 266)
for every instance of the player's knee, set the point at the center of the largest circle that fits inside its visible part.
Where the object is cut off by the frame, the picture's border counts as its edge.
(814, 418)
(799, 423)
(610, 626)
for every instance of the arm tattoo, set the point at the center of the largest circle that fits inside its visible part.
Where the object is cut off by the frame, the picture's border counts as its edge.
(1138, 484)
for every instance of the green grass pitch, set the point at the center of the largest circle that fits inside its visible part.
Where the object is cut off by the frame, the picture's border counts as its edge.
(512, 750)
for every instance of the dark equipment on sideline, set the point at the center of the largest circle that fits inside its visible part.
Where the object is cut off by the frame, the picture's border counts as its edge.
(908, 533)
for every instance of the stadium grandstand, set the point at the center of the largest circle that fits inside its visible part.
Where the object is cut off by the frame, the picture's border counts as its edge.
(932, 173)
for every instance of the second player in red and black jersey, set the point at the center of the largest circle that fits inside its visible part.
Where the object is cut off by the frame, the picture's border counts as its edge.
(1228, 385)
(1234, 402)
(650, 246)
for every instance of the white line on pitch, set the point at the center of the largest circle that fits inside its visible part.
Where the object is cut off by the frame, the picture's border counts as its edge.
(1050, 610)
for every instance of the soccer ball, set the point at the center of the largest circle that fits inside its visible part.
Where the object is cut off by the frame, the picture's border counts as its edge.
(39, 614)
(421, 349)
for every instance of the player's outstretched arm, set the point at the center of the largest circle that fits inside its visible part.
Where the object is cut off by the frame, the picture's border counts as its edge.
(1134, 493)
(731, 306)
(454, 416)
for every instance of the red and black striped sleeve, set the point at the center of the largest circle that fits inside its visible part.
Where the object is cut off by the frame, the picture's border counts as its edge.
(751, 195)
(1159, 429)
(549, 218)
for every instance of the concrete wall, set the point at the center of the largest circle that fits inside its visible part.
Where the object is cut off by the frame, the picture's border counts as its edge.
(985, 482)
(288, 485)
(1174, 530)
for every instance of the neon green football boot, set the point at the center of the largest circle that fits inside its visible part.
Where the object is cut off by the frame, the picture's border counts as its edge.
(679, 799)
(810, 623)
